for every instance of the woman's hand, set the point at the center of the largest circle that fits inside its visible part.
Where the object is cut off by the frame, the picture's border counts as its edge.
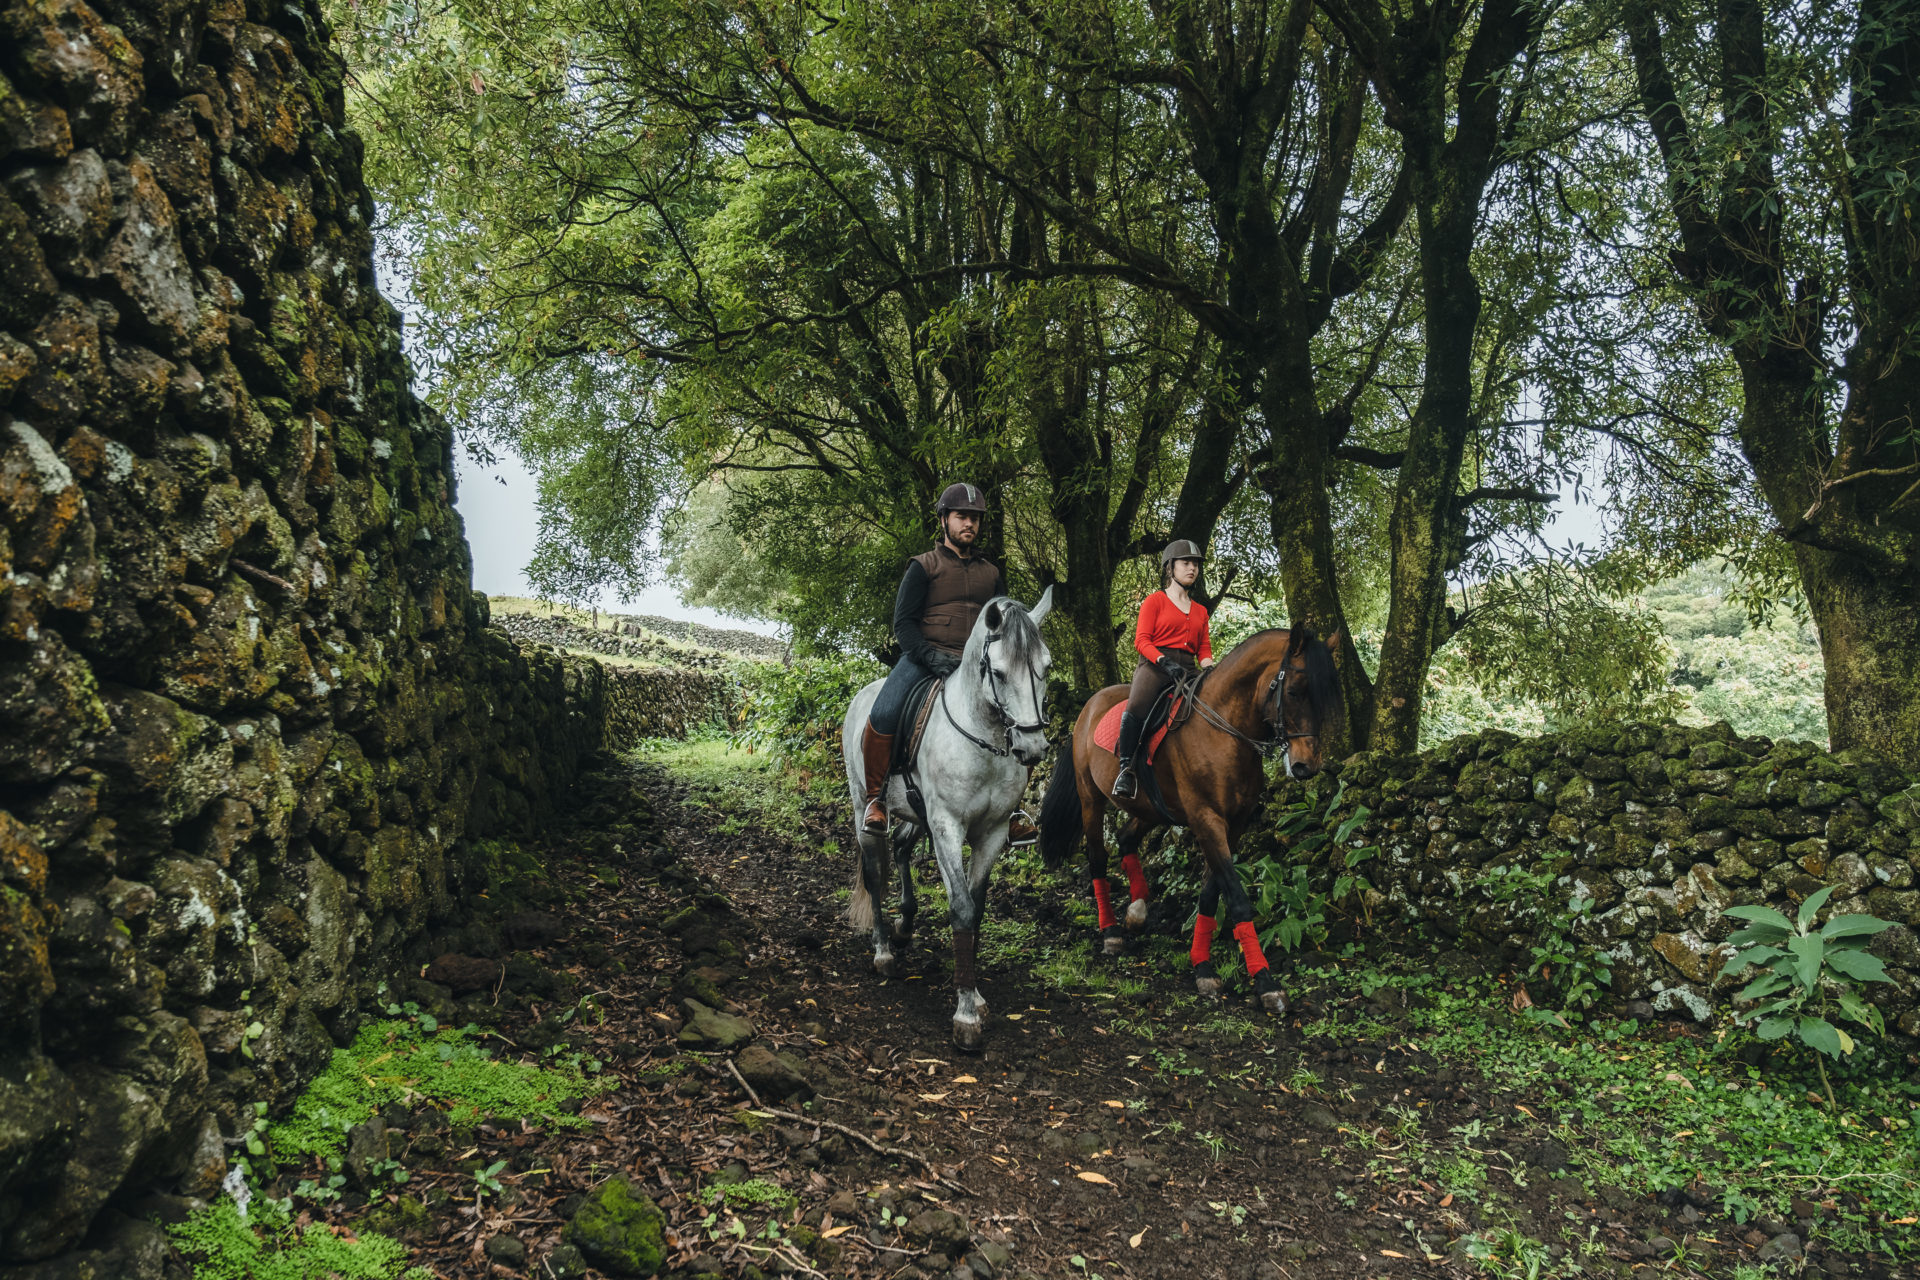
(1205, 663)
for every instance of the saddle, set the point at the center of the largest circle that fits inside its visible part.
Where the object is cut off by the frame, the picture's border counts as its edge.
(1162, 718)
(906, 743)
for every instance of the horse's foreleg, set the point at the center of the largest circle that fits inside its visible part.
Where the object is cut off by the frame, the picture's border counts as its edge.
(1130, 837)
(903, 841)
(1240, 923)
(873, 878)
(963, 912)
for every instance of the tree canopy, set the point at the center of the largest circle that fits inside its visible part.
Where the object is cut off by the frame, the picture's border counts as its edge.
(1346, 291)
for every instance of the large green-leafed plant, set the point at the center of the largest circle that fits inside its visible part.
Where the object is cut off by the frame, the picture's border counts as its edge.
(1809, 972)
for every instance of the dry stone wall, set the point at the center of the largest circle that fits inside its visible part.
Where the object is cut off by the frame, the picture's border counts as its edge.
(1662, 827)
(252, 717)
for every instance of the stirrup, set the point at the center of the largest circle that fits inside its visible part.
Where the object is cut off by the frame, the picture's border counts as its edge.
(1124, 784)
(875, 820)
(1020, 830)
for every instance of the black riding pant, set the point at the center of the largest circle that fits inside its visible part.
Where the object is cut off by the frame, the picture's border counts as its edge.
(887, 708)
(1148, 681)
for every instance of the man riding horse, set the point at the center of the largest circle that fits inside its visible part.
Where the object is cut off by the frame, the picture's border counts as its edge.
(941, 593)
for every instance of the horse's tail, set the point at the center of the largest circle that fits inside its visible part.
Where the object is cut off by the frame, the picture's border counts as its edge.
(1060, 810)
(860, 905)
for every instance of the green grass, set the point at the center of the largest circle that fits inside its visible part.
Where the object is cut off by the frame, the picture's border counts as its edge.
(397, 1061)
(267, 1246)
(1646, 1113)
(749, 790)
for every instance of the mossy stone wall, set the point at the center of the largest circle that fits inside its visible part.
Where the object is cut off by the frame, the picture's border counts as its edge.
(251, 714)
(1663, 827)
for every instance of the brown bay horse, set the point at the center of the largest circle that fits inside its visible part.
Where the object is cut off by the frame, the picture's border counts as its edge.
(1273, 693)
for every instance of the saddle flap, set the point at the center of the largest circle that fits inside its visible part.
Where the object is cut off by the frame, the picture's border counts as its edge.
(914, 715)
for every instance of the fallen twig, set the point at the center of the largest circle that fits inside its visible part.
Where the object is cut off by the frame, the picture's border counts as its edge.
(856, 1135)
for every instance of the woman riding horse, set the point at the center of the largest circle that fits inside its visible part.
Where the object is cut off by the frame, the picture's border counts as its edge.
(1275, 692)
(1170, 634)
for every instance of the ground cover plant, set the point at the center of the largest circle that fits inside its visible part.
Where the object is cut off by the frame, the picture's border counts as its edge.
(415, 1060)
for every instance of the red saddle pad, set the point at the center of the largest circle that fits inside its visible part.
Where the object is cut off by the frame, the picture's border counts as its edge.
(1106, 734)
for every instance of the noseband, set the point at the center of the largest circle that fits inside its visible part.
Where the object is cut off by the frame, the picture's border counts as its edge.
(1009, 723)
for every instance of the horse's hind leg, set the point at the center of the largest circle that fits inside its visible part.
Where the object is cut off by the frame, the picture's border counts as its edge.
(1093, 812)
(873, 878)
(1130, 837)
(1205, 980)
(904, 839)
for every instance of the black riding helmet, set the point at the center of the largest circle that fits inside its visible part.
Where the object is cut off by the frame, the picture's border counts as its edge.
(1180, 549)
(961, 496)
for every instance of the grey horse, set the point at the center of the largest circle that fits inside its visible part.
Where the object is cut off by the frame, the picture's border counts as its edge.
(984, 735)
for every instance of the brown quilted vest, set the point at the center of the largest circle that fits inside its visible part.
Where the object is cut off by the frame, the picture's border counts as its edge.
(957, 590)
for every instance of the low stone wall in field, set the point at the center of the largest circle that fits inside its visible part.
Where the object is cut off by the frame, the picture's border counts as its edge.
(626, 642)
(1663, 827)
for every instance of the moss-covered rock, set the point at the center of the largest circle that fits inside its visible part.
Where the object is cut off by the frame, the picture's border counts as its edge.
(620, 1230)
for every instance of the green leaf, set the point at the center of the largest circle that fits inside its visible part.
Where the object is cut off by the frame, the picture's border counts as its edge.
(1759, 934)
(1857, 1010)
(1764, 916)
(1774, 1028)
(1855, 926)
(1857, 964)
(1764, 985)
(1752, 955)
(1812, 905)
(1818, 1033)
(1808, 951)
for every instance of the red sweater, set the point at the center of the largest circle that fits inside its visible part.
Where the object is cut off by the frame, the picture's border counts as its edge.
(1163, 626)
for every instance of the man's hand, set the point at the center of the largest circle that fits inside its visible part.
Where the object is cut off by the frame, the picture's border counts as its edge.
(941, 663)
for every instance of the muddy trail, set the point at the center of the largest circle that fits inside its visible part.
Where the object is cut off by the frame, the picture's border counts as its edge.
(790, 1113)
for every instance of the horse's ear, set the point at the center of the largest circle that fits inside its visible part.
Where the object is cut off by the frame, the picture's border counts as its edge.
(1299, 635)
(993, 616)
(1333, 642)
(1040, 611)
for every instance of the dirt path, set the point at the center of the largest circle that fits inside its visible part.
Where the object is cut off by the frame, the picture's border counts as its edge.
(1101, 1134)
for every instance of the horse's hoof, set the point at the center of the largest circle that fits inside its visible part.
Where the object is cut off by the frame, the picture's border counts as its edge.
(1137, 914)
(969, 1034)
(883, 965)
(1208, 987)
(902, 931)
(1114, 944)
(1274, 1002)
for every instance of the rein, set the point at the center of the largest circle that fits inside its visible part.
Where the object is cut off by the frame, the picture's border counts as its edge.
(1189, 687)
(1008, 722)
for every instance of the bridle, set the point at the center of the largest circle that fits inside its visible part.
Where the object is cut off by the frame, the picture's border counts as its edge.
(1275, 693)
(1009, 723)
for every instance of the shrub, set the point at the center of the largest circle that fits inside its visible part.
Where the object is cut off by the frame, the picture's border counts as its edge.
(1809, 973)
(793, 711)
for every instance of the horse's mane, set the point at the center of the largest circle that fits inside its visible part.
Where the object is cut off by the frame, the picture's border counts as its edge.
(1323, 678)
(1017, 631)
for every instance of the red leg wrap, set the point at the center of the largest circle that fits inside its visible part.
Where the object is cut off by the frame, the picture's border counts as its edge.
(1249, 939)
(1136, 878)
(1202, 939)
(1102, 898)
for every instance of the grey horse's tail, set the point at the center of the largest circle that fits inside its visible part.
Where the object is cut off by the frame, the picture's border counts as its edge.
(1060, 810)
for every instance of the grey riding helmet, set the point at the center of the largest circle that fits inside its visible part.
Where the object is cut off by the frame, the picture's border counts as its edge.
(961, 496)
(1180, 549)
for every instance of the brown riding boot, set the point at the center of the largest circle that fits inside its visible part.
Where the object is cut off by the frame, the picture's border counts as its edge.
(876, 749)
(1020, 829)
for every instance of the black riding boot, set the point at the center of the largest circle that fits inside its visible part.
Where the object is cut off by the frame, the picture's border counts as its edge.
(1124, 782)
